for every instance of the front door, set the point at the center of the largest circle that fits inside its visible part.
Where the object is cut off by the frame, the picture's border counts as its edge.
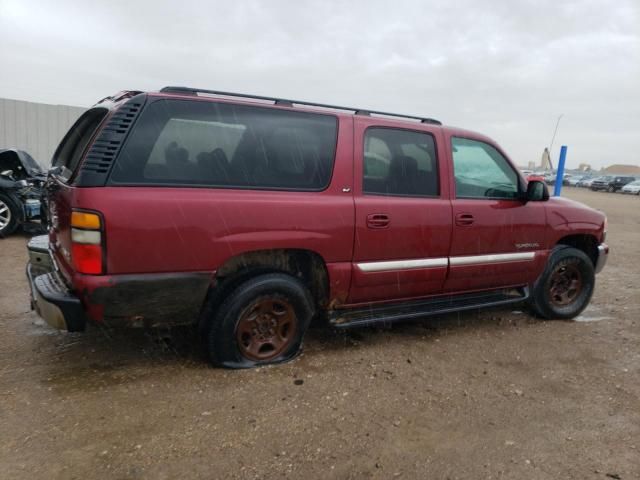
(498, 239)
(403, 213)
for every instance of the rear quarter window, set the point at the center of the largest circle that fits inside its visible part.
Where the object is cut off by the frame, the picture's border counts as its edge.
(197, 143)
(73, 145)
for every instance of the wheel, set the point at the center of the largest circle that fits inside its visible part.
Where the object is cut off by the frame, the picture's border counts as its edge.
(611, 189)
(565, 287)
(261, 322)
(8, 215)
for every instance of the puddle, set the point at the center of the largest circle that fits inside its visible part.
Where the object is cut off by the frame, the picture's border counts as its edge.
(585, 318)
(592, 314)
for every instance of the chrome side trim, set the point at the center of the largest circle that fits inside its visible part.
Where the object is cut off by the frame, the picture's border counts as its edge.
(403, 264)
(495, 258)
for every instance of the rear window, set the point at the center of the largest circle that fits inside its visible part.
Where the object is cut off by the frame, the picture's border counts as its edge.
(75, 142)
(196, 143)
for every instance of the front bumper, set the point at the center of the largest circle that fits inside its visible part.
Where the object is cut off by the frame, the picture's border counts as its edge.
(50, 297)
(603, 254)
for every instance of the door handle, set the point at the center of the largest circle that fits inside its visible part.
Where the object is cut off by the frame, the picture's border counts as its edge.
(464, 219)
(378, 220)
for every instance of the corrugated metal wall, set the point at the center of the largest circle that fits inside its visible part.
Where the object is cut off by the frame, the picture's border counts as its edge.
(35, 127)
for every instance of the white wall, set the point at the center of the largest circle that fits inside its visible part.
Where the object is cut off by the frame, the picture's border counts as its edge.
(35, 127)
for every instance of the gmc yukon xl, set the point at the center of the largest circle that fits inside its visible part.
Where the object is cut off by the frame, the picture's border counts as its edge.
(248, 216)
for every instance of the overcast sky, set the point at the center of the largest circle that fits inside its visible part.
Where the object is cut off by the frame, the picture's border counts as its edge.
(505, 68)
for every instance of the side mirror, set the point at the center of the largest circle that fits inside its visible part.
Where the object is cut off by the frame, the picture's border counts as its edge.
(537, 191)
(7, 173)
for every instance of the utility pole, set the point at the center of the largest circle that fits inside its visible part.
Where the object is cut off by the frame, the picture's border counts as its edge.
(553, 138)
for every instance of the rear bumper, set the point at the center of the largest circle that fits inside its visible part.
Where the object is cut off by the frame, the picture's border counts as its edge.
(50, 297)
(603, 254)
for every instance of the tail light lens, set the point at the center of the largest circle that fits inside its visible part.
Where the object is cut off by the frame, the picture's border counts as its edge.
(87, 242)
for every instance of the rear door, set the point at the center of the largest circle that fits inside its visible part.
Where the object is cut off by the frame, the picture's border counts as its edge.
(403, 213)
(498, 239)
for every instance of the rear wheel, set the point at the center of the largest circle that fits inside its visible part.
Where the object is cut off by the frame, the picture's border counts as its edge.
(8, 215)
(261, 322)
(565, 287)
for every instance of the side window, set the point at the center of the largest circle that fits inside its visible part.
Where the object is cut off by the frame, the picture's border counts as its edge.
(399, 162)
(481, 171)
(178, 142)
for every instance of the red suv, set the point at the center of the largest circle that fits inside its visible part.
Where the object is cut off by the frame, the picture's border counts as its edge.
(248, 216)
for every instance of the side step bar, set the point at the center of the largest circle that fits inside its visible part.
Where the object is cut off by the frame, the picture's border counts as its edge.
(358, 317)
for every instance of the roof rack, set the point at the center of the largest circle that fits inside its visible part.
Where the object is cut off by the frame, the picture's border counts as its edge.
(290, 103)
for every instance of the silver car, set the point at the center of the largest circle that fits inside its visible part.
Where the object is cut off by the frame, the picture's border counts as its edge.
(632, 188)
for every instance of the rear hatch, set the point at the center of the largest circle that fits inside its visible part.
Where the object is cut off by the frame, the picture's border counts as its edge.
(60, 191)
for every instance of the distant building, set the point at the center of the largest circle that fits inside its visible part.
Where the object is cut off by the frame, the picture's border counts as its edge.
(35, 127)
(584, 167)
(619, 169)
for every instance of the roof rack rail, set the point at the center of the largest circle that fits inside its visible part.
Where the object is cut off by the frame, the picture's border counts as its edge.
(286, 102)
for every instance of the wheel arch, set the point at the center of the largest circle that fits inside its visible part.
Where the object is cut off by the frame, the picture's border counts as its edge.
(306, 265)
(585, 242)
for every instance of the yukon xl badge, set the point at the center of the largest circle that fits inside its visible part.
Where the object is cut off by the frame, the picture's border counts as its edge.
(521, 246)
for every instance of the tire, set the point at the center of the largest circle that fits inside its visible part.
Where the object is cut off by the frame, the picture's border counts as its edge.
(565, 287)
(611, 189)
(261, 322)
(9, 215)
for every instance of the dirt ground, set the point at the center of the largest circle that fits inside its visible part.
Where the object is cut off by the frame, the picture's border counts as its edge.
(492, 394)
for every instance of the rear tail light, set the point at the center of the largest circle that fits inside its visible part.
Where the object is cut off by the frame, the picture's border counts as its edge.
(87, 242)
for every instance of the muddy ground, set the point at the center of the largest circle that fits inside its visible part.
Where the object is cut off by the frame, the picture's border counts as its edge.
(493, 394)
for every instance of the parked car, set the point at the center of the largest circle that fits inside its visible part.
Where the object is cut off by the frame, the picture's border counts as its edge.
(611, 183)
(632, 188)
(550, 178)
(565, 178)
(249, 216)
(573, 180)
(21, 181)
(586, 182)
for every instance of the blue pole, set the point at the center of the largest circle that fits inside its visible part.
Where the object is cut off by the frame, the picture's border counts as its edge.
(560, 174)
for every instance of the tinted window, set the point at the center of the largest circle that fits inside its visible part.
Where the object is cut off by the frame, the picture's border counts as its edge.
(74, 143)
(399, 162)
(216, 144)
(481, 171)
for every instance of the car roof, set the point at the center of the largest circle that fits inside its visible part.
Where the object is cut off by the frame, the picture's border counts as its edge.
(385, 118)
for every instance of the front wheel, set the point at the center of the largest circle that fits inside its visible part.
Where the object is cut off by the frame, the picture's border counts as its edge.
(611, 189)
(565, 287)
(261, 322)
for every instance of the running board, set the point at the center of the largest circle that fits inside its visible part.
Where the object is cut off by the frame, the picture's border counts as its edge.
(388, 313)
